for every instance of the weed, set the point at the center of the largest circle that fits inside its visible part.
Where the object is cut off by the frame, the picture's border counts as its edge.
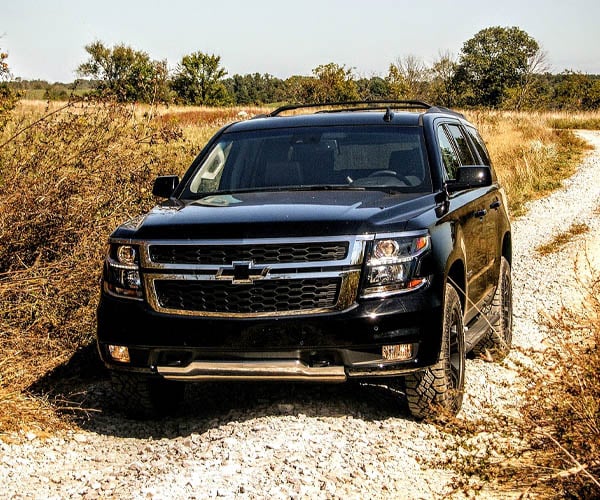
(65, 183)
(530, 158)
(562, 239)
(550, 448)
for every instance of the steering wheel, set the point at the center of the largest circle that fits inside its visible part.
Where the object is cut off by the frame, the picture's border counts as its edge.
(390, 173)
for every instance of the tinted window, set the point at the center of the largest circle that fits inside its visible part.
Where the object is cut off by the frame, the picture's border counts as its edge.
(449, 156)
(479, 145)
(367, 156)
(464, 151)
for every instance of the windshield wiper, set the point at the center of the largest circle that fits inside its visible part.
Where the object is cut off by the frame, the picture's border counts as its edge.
(324, 187)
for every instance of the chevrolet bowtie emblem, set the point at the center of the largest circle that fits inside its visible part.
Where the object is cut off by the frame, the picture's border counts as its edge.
(242, 273)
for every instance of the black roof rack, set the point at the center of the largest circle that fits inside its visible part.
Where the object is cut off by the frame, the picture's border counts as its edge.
(442, 109)
(355, 106)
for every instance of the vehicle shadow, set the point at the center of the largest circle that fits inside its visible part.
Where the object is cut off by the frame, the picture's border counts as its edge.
(81, 392)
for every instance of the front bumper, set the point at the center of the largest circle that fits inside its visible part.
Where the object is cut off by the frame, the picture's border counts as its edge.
(328, 347)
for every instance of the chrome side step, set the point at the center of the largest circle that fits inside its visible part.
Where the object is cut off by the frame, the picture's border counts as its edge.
(275, 370)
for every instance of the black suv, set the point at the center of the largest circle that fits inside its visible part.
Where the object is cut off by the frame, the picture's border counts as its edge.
(354, 241)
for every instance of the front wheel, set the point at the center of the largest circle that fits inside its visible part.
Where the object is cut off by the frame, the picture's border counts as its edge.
(143, 397)
(440, 387)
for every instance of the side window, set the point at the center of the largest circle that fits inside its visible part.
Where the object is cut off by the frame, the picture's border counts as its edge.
(464, 151)
(479, 145)
(449, 156)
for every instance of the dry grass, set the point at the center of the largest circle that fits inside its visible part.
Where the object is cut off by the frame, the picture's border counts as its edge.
(562, 407)
(65, 183)
(562, 239)
(199, 123)
(530, 157)
(550, 448)
(69, 174)
(589, 120)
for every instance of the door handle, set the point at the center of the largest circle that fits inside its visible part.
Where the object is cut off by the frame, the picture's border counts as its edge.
(480, 213)
(495, 205)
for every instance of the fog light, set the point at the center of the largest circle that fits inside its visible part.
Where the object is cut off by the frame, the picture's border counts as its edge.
(397, 352)
(119, 353)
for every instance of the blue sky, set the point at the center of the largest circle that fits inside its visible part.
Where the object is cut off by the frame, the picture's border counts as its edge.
(46, 39)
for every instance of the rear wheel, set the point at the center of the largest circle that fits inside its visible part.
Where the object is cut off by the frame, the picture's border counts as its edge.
(495, 345)
(440, 387)
(143, 397)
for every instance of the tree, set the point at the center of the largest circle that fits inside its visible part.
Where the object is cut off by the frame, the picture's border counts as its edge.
(409, 78)
(330, 83)
(8, 96)
(125, 73)
(442, 89)
(300, 89)
(199, 80)
(3, 65)
(493, 61)
(335, 83)
(373, 88)
(255, 89)
(526, 93)
(397, 86)
(574, 90)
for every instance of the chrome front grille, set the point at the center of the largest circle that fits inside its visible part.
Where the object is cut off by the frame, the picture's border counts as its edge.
(252, 277)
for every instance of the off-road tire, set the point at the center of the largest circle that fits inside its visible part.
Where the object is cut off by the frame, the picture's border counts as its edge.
(439, 388)
(141, 397)
(495, 345)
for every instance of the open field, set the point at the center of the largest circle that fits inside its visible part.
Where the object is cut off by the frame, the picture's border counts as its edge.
(67, 180)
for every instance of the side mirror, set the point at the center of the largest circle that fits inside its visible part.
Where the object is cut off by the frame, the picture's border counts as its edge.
(165, 185)
(470, 177)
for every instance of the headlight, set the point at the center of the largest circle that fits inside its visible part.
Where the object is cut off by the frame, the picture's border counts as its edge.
(393, 264)
(126, 254)
(122, 272)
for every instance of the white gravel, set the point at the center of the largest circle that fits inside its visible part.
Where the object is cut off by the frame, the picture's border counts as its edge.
(283, 441)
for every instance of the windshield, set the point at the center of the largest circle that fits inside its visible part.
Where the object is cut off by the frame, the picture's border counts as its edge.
(345, 157)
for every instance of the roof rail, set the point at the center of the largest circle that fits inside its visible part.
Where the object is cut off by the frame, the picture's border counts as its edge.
(363, 105)
(442, 109)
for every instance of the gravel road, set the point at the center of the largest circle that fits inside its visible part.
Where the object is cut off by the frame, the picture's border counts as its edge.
(304, 441)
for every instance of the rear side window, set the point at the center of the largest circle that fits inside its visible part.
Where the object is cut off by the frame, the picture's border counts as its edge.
(479, 145)
(464, 151)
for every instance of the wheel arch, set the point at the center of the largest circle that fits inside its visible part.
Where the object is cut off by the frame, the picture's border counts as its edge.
(507, 247)
(456, 276)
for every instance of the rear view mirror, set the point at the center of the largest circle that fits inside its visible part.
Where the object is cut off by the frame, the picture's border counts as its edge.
(165, 185)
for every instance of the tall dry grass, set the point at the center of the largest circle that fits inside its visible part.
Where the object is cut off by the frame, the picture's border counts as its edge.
(69, 174)
(530, 156)
(562, 405)
(65, 183)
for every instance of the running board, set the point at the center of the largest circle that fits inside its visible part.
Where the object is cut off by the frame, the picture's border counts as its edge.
(276, 370)
(477, 329)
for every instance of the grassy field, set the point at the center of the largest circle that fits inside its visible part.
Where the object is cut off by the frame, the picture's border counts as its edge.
(70, 173)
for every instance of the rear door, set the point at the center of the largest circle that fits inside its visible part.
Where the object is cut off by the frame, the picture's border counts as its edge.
(496, 216)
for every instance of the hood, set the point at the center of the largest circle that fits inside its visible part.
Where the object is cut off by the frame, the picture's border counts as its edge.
(279, 214)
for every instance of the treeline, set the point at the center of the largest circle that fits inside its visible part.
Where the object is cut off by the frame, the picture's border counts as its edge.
(499, 67)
